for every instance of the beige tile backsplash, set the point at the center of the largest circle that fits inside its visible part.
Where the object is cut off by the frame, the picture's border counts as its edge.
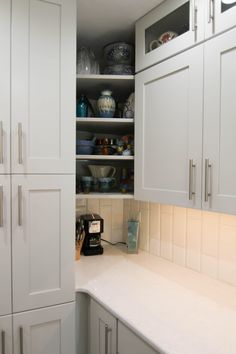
(199, 240)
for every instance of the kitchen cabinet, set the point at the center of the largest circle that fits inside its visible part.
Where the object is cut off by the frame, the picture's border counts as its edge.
(43, 86)
(220, 16)
(130, 343)
(5, 245)
(168, 130)
(44, 331)
(184, 17)
(6, 335)
(42, 240)
(219, 142)
(102, 330)
(5, 62)
(107, 335)
(99, 128)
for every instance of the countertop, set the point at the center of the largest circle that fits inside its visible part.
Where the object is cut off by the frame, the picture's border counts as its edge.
(175, 310)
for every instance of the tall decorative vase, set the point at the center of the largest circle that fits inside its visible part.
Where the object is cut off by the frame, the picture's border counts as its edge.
(106, 104)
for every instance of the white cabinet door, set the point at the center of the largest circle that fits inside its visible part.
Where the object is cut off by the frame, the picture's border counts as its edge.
(130, 343)
(168, 130)
(6, 334)
(220, 123)
(45, 331)
(43, 86)
(42, 240)
(5, 62)
(220, 16)
(5, 245)
(102, 330)
(184, 17)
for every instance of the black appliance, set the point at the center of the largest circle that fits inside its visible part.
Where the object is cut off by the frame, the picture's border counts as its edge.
(93, 228)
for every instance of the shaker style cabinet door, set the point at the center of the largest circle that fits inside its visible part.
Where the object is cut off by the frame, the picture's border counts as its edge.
(130, 343)
(219, 188)
(168, 130)
(5, 245)
(45, 331)
(220, 15)
(42, 240)
(102, 330)
(5, 62)
(6, 334)
(171, 27)
(43, 86)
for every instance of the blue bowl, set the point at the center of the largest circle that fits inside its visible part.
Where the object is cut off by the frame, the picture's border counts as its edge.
(85, 142)
(84, 150)
(119, 53)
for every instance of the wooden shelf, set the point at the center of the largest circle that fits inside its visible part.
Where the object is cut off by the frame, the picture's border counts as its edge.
(92, 85)
(106, 125)
(105, 196)
(104, 157)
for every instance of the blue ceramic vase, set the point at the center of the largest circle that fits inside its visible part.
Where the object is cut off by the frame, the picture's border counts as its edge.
(106, 104)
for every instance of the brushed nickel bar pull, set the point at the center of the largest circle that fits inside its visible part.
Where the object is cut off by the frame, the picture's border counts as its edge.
(19, 205)
(21, 340)
(194, 16)
(210, 14)
(107, 330)
(207, 167)
(1, 142)
(1, 206)
(3, 339)
(191, 191)
(20, 158)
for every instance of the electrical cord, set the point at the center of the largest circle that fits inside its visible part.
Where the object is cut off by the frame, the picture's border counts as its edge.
(114, 244)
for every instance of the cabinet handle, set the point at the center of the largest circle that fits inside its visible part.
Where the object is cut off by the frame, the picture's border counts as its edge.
(20, 159)
(1, 206)
(19, 205)
(207, 168)
(3, 338)
(21, 340)
(1, 142)
(194, 16)
(191, 174)
(107, 330)
(210, 13)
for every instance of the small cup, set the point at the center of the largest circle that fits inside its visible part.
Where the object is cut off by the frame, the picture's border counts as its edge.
(86, 182)
(106, 184)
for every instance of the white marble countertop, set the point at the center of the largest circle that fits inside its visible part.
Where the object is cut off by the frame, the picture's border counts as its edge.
(175, 310)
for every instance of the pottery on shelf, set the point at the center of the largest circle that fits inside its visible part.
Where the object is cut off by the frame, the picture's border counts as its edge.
(119, 69)
(106, 104)
(128, 111)
(119, 53)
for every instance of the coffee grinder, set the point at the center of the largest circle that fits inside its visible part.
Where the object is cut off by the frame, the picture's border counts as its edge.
(93, 228)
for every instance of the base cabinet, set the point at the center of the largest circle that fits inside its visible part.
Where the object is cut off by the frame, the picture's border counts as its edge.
(102, 330)
(45, 331)
(6, 335)
(107, 335)
(130, 343)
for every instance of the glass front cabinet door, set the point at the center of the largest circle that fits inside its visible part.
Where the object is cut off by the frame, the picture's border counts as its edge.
(171, 27)
(220, 15)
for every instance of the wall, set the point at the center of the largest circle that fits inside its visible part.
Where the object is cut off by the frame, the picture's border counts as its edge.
(111, 210)
(199, 240)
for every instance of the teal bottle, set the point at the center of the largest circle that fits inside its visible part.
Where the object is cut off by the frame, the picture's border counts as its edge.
(82, 107)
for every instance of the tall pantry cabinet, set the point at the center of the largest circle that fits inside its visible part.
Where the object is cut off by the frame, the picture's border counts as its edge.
(37, 100)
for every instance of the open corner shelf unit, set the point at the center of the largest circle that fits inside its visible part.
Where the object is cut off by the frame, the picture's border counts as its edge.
(91, 86)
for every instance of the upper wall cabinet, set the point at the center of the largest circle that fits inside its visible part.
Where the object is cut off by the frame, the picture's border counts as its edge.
(220, 15)
(168, 29)
(168, 130)
(5, 61)
(43, 86)
(220, 124)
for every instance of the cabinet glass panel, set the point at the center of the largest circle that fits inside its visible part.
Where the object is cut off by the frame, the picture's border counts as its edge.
(174, 24)
(227, 4)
